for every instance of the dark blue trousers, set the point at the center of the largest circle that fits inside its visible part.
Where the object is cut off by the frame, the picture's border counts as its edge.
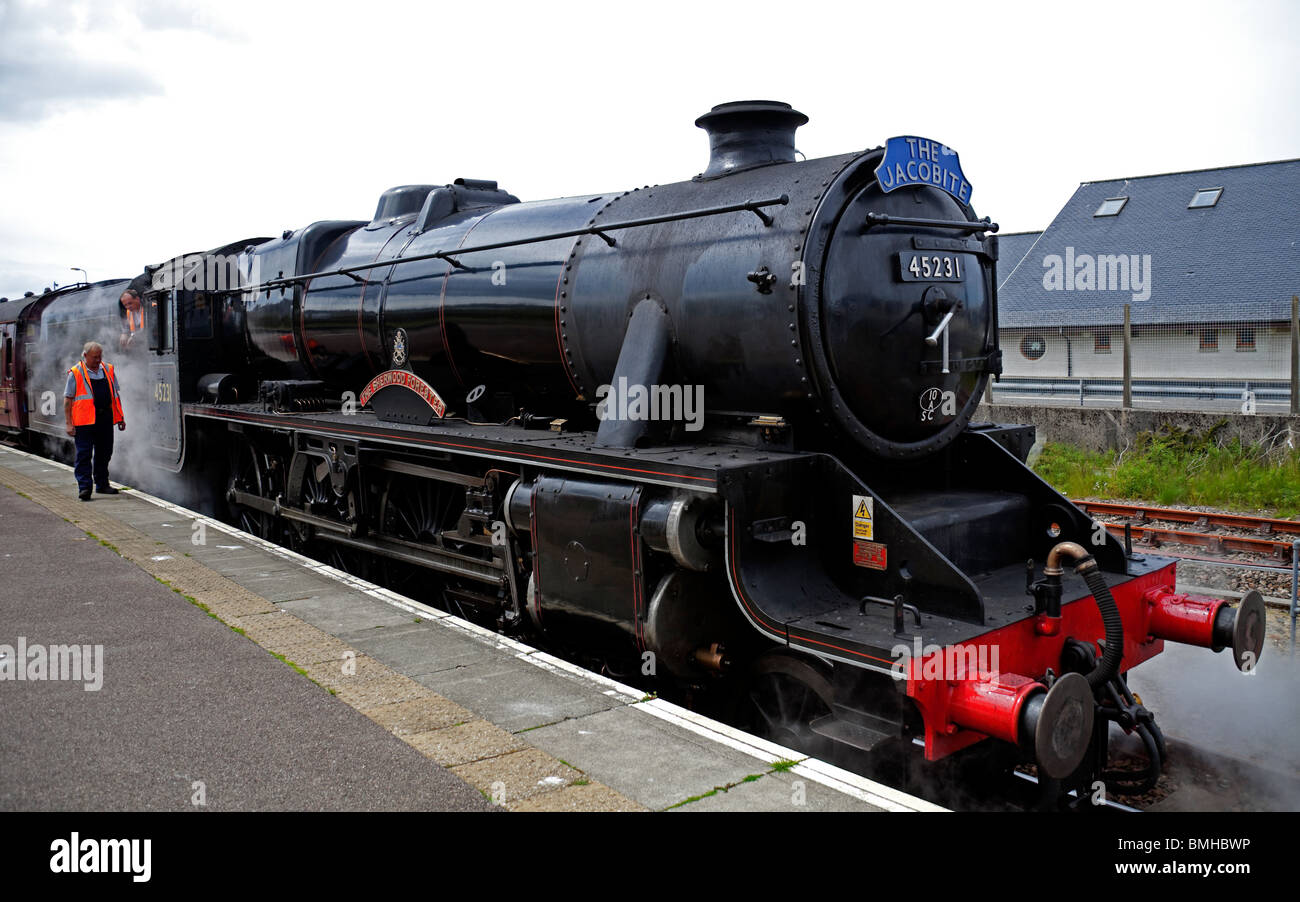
(94, 451)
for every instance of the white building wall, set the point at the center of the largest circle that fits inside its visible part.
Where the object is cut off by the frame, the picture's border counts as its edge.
(1175, 353)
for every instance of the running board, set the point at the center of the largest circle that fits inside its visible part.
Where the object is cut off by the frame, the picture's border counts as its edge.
(846, 732)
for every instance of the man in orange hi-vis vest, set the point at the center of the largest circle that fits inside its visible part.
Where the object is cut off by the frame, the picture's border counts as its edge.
(132, 317)
(92, 406)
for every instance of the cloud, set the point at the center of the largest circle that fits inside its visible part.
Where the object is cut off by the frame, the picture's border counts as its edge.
(57, 57)
(166, 15)
(30, 91)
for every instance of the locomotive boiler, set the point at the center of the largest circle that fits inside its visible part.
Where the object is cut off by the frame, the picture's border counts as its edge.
(740, 280)
(713, 435)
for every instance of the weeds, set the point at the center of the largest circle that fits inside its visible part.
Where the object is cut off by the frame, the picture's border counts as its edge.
(1179, 467)
(282, 659)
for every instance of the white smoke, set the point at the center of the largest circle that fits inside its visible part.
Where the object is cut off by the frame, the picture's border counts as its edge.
(68, 323)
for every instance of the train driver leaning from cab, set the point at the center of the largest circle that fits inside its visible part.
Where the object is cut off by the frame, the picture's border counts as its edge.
(132, 318)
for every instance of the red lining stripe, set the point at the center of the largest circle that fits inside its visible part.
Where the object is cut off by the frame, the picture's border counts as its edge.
(302, 326)
(537, 544)
(762, 618)
(496, 451)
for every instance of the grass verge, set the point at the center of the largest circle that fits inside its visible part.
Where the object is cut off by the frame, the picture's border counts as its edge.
(1175, 467)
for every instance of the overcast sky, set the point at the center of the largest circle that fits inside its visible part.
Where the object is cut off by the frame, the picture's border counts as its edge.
(135, 131)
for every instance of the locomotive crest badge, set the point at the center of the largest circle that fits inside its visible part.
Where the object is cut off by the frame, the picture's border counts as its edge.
(910, 160)
(399, 348)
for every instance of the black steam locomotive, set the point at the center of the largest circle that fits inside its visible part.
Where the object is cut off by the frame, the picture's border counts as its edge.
(713, 435)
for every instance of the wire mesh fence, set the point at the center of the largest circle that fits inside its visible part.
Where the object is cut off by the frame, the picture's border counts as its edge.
(1090, 357)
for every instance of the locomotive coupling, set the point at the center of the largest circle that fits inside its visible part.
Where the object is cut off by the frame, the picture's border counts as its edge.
(1208, 623)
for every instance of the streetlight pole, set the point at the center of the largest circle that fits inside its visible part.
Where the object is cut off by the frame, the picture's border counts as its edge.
(85, 275)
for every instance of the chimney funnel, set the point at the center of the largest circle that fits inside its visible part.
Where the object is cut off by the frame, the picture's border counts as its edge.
(748, 133)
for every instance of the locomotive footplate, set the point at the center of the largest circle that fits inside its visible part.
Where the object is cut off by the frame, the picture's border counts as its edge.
(691, 467)
(811, 591)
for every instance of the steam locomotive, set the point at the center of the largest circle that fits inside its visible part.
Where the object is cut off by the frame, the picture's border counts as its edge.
(712, 435)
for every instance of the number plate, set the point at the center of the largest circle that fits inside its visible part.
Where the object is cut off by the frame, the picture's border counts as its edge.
(920, 267)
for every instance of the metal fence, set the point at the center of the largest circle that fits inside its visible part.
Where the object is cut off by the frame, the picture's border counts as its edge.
(1087, 359)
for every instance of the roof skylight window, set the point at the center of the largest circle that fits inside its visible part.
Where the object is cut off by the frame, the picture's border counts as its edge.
(1206, 197)
(1111, 206)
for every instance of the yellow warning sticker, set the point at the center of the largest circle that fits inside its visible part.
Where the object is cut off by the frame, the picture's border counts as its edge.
(863, 511)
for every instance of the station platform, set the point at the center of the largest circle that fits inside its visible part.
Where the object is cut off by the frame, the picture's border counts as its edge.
(237, 675)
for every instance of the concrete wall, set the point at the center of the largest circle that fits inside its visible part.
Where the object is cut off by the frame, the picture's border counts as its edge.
(1102, 428)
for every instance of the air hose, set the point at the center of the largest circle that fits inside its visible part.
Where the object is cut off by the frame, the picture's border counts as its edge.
(1129, 714)
(1087, 567)
(1135, 783)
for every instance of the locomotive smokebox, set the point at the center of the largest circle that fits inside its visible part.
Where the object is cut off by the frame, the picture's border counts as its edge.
(748, 133)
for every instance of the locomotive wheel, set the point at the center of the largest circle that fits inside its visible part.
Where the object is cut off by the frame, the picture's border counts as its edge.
(408, 510)
(345, 559)
(319, 497)
(786, 694)
(248, 474)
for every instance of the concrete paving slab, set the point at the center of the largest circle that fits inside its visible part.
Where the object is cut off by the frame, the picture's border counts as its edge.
(360, 670)
(466, 742)
(316, 650)
(578, 797)
(779, 792)
(277, 589)
(518, 775)
(146, 517)
(515, 695)
(342, 612)
(644, 758)
(420, 648)
(393, 689)
(250, 566)
(419, 715)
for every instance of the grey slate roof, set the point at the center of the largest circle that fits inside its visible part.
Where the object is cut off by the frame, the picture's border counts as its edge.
(1238, 260)
(1012, 247)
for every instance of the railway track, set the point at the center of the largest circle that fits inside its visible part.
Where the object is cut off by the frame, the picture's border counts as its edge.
(1241, 534)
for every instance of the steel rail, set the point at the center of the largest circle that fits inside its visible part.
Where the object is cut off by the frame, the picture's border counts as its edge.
(1155, 536)
(1142, 513)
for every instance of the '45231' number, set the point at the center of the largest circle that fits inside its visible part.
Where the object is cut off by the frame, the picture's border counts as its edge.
(914, 267)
